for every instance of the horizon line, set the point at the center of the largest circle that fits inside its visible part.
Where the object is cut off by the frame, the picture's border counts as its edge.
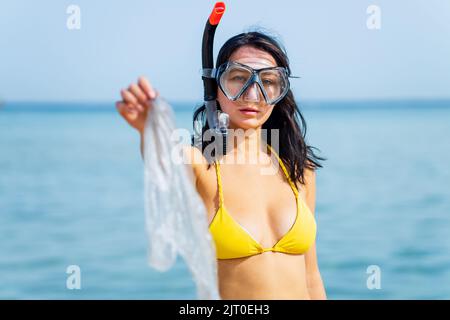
(198, 102)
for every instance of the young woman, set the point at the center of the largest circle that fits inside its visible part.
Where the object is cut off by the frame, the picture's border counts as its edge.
(263, 225)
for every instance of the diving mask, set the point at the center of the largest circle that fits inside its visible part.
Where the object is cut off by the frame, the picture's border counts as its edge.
(235, 79)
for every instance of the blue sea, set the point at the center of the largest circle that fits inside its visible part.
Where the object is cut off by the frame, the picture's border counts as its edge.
(71, 193)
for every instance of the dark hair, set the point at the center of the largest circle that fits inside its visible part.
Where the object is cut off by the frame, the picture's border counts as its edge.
(285, 116)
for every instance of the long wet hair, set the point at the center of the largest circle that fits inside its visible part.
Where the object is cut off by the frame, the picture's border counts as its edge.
(286, 116)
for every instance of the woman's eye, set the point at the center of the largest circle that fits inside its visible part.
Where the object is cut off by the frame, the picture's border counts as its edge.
(238, 78)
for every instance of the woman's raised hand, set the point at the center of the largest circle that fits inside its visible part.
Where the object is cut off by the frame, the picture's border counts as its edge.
(136, 101)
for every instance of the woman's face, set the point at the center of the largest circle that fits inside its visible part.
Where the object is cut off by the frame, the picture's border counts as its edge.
(252, 97)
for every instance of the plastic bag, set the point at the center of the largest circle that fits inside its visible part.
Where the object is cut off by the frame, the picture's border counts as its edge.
(175, 214)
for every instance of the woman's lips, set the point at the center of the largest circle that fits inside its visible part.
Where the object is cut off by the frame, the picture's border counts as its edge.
(248, 111)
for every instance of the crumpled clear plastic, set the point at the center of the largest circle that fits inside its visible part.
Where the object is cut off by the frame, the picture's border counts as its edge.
(175, 215)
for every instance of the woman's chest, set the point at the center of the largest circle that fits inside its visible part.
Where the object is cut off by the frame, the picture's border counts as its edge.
(261, 202)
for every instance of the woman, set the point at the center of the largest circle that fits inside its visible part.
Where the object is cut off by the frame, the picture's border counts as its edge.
(263, 225)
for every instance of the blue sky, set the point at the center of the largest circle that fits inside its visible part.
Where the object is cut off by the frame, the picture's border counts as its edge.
(328, 43)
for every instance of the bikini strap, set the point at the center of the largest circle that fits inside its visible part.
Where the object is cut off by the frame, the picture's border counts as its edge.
(294, 188)
(219, 182)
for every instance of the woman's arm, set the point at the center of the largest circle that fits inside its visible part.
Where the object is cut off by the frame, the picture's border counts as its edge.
(314, 280)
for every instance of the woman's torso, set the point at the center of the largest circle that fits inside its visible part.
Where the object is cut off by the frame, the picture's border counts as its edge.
(265, 205)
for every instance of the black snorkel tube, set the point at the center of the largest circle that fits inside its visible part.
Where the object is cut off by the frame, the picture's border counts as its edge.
(218, 123)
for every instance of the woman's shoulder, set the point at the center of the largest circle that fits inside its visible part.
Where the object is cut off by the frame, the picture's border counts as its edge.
(309, 187)
(309, 175)
(205, 178)
(194, 157)
(309, 181)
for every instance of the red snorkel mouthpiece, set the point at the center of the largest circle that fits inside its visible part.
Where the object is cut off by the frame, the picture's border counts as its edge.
(216, 14)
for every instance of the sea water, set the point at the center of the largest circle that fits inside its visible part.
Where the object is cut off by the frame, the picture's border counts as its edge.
(71, 194)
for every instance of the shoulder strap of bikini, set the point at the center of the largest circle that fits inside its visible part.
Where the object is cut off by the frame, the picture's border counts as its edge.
(294, 188)
(219, 182)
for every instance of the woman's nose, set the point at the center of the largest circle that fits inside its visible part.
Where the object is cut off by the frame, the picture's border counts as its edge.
(252, 93)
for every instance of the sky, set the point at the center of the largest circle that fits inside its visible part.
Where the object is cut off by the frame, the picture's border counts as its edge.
(328, 43)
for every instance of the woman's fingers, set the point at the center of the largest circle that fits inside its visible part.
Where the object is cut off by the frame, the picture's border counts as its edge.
(128, 97)
(145, 85)
(124, 108)
(127, 110)
(120, 106)
(139, 95)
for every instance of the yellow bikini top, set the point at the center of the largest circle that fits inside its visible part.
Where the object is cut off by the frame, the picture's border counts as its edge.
(233, 241)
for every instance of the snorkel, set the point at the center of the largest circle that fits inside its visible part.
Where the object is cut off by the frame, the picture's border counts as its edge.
(217, 121)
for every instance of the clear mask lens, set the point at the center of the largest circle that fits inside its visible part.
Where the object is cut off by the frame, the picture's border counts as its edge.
(234, 79)
(274, 82)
